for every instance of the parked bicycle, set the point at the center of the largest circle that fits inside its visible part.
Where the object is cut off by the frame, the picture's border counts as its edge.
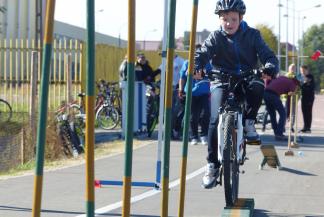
(106, 115)
(5, 111)
(70, 132)
(231, 142)
(152, 107)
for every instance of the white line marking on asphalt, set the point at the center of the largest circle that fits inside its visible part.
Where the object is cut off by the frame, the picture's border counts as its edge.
(144, 195)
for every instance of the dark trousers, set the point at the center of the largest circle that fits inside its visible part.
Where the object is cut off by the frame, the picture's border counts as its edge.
(200, 113)
(273, 103)
(253, 96)
(307, 110)
(177, 114)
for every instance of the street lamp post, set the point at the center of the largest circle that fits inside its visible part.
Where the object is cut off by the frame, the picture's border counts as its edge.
(152, 30)
(279, 53)
(119, 34)
(96, 26)
(300, 47)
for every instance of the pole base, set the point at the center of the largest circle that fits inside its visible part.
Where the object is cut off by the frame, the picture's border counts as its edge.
(289, 153)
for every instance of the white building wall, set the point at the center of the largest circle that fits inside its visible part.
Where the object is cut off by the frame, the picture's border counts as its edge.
(17, 19)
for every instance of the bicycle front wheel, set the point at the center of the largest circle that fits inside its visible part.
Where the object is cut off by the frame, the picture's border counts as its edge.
(5, 111)
(107, 117)
(230, 163)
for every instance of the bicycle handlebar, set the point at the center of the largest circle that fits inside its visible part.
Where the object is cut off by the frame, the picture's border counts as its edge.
(225, 75)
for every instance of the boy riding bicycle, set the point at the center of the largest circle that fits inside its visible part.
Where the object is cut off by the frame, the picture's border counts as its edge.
(234, 47)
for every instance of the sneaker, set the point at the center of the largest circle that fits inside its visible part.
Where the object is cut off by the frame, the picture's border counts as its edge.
(194, 142)
(203, 140)
(281, 138)
(75, 153)
(305, 131)
(175, 135)
(210, 178)
(250, 132)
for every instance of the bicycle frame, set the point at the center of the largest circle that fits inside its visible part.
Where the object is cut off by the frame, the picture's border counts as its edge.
(231, 143)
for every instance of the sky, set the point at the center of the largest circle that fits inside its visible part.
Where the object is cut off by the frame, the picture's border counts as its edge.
(111, 16)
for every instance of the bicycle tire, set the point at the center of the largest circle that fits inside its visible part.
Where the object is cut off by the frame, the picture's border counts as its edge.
(152, 109)
(107, 117)
(5, 111)
(230, 163)
(66, 141)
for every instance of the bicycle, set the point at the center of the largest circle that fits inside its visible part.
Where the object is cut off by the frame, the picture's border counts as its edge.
(68, 130)
(5, 111)
(107, 113)
(152, 107)
(231, 142)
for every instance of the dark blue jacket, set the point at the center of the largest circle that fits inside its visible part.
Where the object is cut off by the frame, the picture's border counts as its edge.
(199, 87)
(235, 52)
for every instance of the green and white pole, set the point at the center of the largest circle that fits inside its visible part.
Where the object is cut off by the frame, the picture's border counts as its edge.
(42, 118)
(127, 181)
(187, 109)
(90, 104)
(168, 109)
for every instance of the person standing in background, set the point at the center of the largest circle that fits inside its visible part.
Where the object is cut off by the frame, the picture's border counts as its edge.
(307, 98)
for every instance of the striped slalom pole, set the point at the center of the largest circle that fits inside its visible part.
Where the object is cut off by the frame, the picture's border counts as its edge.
(161, 104)
(129, 109)
(183, 170)
(168, 108)
(42, 118)
(90, 99)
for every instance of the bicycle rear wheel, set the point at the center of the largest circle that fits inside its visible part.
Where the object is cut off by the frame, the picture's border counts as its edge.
(5, 111)
(230, 163)
(107, 117)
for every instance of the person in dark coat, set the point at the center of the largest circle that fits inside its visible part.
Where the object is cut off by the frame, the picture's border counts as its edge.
(307, 98)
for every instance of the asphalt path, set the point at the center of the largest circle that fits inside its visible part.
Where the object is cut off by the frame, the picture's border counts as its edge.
(296, 190)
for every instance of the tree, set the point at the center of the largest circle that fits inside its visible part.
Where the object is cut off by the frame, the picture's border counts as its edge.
(314, 40)
(268, 36)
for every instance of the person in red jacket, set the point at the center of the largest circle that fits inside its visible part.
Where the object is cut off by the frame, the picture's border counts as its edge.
(274, 88)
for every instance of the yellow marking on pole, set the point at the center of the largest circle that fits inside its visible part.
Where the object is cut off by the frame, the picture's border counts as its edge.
(165, 185)
(126, 195)
(235, 212)
(169, 78)
(49, 20)
(182, 185)
(38, 183)
(131, 30)
(89, 139)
